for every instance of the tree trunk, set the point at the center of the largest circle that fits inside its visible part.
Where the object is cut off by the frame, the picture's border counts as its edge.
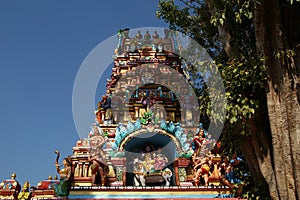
(257, 147)
(257, 151)
(283, 105)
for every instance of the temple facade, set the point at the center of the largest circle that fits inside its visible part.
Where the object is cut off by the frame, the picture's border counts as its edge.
(146, 142)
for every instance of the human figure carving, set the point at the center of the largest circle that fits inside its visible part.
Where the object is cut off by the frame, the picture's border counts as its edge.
(203, 168)
(97, 158)
(62, 188)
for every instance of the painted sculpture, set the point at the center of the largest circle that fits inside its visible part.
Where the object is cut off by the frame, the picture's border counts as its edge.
(62, 188)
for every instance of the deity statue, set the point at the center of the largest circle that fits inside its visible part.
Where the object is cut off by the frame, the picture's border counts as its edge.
(62, 188)
(160, 161)
(203, 169)
(139, 174)
(228, 176)
(155, 35)
(199, 140)
(97, 157)
(105, 104)
(25, 193)
(154, 166)
(147, 36)
(138, 36)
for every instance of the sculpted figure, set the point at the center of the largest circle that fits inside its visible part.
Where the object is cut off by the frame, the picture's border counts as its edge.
(97, 157)
(62, 188)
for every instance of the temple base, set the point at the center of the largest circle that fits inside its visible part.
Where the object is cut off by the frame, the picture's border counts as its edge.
(153, 193)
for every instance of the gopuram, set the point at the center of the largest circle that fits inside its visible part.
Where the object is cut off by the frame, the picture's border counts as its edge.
(146, 142)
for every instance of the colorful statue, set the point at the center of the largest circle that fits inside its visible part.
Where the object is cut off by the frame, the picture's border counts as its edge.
(62, 188)
(199, 140)
(203, 168)
(25, 193)
(160, 161)
(138, 36)
(98, 168)
(149, 167)
(139, 173)
(228, 176)
(105, 105)
(147, 36)
(155, 35)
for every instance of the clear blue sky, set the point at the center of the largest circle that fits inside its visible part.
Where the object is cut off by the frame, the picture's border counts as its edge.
(42, 45)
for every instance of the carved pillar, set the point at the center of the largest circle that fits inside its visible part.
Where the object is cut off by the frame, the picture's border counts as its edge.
(138, 79)
(180, 170)
(115, 115)
(136, 112)
(80, 169)
(102, 115)
(120, 166)
(86, 169)
(75, 169)
(128, 80)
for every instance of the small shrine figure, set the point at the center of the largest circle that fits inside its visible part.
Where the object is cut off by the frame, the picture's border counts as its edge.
(160, 92)
(25, 193)
(139, 173)
(97, 170)
(203, 169)
(160, 161)
(97, 157)
(199, 140)
(62, 188)
(148, 163)
(147, 36)
(98, 116)
(155, 35)
(104, 106)
(228, 176)
(138, 36)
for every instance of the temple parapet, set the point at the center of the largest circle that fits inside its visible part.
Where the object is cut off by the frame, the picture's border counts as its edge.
(44, 189)
(10, 188)
(146, 42)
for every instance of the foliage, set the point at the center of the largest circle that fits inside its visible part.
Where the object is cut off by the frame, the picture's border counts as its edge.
(243, 73)
(292, 1)
(250, 189)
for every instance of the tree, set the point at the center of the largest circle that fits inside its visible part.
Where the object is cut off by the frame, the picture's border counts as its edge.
(256, 45)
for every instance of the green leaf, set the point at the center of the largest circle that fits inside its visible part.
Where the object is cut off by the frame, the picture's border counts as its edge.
(221, 20)
(233, 119)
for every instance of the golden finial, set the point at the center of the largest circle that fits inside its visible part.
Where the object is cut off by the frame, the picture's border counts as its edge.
(26, 185)
(55, 177)
(13, 176)
(50, 177)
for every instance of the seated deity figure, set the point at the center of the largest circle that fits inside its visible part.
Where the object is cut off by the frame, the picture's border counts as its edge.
(160, 160)
(105, 105)
(153, 165)
(148, 163)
